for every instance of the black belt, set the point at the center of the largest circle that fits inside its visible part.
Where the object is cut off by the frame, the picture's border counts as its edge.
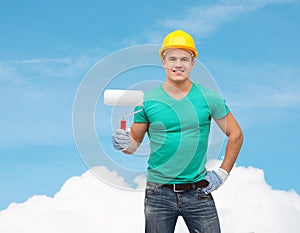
(188, 186)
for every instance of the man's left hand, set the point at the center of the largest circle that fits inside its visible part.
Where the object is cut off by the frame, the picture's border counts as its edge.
(215, 179)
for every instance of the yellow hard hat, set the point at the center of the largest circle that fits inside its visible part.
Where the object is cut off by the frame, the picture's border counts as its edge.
(178, 39)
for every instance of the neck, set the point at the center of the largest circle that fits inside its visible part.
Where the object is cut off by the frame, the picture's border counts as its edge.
(182, 87)
(178, 90)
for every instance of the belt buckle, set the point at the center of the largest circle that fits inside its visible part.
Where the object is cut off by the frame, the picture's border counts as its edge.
(175, 190)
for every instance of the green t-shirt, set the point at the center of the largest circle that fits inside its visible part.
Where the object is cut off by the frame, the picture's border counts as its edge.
(178, 133)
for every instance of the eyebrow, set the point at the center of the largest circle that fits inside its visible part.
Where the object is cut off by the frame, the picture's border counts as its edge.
(184, 57)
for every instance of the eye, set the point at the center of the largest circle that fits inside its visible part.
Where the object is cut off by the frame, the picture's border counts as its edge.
(185, 59)
(172, 58)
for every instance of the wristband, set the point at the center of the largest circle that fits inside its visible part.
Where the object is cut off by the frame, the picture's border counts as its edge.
(223, 173)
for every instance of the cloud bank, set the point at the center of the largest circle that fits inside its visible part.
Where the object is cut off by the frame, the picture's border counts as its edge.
(246, 203)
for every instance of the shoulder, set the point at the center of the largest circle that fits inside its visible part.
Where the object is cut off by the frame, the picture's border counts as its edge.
(205, 90)
(207, 93)
(153, 94)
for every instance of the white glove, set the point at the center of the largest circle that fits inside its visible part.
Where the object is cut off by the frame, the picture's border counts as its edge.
(215, 179)
(121, 139)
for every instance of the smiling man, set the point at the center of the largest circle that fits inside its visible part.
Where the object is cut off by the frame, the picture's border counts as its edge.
(177, 117)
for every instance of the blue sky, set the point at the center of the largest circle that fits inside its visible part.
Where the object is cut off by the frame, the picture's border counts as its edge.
(46, 48)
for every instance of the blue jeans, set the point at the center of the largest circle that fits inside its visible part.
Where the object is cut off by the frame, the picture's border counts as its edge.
(163, 206)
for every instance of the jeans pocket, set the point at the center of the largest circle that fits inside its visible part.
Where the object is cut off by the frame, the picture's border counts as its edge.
(151, 188)
(203, 196)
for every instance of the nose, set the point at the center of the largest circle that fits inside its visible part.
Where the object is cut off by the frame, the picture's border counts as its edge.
(178, 64)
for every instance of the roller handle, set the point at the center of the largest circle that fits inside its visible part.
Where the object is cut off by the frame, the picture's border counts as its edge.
(123, 125)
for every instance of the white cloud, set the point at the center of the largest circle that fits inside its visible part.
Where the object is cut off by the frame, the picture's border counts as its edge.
(254, 3)
(9, 74)
(42, 91)
(62, 67)
(66, 60)
(247, 204)
(84, 204)
(260, 85)
(204, 20)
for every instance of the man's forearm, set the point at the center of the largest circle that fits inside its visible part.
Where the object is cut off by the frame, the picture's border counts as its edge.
(233, 147)
(137, 133)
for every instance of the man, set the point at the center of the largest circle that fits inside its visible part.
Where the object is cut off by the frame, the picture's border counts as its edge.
(177, 116)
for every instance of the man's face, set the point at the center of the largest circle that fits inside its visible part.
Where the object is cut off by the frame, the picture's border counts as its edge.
(178, 64)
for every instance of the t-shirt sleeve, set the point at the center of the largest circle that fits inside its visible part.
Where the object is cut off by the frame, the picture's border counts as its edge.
(218, 106)
(140, 116)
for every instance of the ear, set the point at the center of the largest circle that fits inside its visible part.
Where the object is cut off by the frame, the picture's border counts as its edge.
(163, 62)
(193, 62)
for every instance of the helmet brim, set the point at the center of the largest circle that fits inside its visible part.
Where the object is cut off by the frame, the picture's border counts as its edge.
(191, 49)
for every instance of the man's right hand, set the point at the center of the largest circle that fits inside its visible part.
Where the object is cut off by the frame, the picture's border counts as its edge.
(121, 139)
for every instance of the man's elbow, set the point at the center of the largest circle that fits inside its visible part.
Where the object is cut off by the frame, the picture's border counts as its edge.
(237, 136)
(235, 133)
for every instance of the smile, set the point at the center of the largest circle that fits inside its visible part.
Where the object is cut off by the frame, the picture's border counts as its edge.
(178, 71)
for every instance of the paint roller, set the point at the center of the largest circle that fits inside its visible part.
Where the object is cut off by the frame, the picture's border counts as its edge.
(116, 97)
